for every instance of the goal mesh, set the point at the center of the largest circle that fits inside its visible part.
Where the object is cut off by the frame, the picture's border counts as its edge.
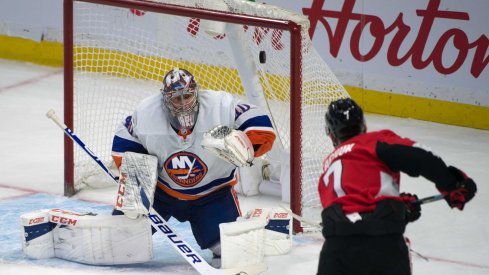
(120, 55)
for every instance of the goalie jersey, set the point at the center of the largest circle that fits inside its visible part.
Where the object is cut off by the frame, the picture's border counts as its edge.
(186, 170)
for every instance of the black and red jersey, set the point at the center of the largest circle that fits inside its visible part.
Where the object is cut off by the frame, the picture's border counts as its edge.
(366, 169)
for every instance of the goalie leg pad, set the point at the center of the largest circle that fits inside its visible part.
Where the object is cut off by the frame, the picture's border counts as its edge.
(37, 235)
(101, 240)
(277, 237)
(242, 243)
(262, 232)
(278, 233)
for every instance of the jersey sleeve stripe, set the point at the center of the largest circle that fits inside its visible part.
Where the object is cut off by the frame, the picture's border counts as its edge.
(121, 145)
(259, 129)
(258, 121)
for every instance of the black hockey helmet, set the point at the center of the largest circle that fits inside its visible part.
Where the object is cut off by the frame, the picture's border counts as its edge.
(344, 120)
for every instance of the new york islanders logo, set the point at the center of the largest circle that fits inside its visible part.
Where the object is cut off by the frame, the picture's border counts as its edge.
(185, 169)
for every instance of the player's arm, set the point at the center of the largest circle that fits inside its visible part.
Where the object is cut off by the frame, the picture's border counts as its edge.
(125, 141)
(415, 161)
(257, 126)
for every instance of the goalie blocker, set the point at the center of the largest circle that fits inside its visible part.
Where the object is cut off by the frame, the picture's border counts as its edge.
(137, 183)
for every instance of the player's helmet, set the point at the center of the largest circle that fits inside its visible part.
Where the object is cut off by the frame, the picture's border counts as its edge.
(344, 119)
(181, 99)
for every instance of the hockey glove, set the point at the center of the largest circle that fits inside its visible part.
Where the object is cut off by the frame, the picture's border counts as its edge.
(461, 192)
(229, 144)
(413, 208)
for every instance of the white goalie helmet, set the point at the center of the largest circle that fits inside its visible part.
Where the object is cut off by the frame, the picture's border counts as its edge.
(181, 99)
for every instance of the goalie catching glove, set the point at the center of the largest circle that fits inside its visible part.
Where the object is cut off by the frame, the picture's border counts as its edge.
(229, 144)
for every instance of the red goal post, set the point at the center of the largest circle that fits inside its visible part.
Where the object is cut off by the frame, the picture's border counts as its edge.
(108, 56)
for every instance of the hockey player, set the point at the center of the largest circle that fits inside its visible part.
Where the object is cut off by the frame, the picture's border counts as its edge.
(197, 168)
(364, 215)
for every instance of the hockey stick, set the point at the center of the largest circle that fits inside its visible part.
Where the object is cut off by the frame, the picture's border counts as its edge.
(162, 226)
(430, 199)
(50, 114)
(320, 225)
(302, 219)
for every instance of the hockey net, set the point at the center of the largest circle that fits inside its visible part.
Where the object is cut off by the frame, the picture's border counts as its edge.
(122, 48)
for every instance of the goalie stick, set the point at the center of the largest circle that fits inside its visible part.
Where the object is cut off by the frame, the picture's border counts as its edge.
(162, 226)
(320, 225)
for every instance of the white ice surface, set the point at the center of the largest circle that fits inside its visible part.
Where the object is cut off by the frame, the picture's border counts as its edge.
(31, 177)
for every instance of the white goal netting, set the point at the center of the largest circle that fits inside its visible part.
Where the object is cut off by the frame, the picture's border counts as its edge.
(121, 55)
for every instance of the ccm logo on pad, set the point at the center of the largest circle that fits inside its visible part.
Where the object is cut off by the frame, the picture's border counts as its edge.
(63, 220)
(36, 220)
(282, 215)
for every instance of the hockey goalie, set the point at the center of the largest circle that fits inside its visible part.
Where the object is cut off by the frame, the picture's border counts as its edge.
(106, 239)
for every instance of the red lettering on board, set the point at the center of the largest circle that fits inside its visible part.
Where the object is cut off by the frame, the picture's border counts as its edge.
(378, 30)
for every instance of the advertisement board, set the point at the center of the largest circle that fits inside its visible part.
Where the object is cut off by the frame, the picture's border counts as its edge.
(424, 59)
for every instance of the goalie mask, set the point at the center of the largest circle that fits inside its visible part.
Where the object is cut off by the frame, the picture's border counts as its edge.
(180, 98)
(344, 120)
